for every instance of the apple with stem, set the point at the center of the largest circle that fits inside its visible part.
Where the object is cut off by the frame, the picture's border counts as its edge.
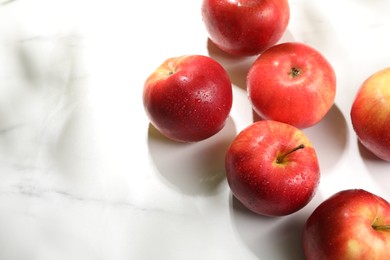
(188, 98)
(272, 168)
(245, 27)
(351, 224)
(292, 83)
(370, 114)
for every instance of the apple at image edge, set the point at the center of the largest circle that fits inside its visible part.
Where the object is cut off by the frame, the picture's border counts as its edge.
(245, 28)
(370, 114)
(188, 98)
(272, 168)
(351, 224)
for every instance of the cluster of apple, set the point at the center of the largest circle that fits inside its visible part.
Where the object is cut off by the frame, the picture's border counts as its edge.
(271, 166)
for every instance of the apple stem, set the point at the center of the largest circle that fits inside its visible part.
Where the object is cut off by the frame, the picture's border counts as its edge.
(295, 72)
(381, 227)
(280, 158)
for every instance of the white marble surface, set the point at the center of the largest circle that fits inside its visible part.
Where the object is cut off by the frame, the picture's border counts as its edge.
(82, 174)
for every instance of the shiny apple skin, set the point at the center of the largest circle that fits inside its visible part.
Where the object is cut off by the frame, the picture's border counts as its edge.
(370, 114)
(259, 182)
(301, 100)
(245, 27)
(340, 228)
(188, 98)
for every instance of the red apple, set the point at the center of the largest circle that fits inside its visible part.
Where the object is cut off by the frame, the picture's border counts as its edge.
(188, 98)
(370, 114)
(292, 83)
(351, 224)
(245, 27)
(272, 168)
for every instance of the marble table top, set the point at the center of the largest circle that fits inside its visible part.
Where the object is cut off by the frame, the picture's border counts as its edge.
(84, 176)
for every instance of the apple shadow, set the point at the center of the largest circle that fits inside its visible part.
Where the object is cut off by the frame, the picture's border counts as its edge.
(329, 137)
(237, 67)
(366, 154)
(271, 237)
(192, 168)
(378, 168)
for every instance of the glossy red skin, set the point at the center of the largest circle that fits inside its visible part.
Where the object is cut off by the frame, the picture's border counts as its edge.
(301, 101)
(347, 215)
(193, 103)
(262, 185)
(370, 114)
(245, 27)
